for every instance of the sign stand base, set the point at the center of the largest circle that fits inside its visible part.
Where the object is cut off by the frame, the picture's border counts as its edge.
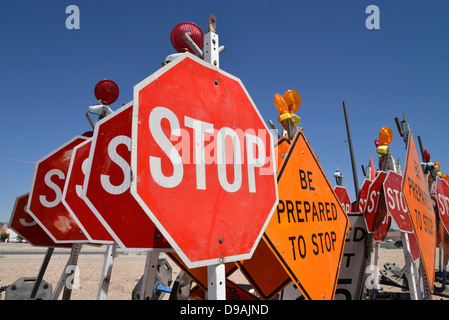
(216, 282)
(107, 271)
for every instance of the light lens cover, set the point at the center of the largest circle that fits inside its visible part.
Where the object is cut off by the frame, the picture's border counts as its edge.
(377, 143)
(192, 30)
(106, 91)
(437, 166)
(280, 104)
(426, 155)
(385, 136)
(293, 100)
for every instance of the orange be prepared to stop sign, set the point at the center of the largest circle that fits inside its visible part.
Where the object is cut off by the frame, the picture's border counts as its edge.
(419, 203)
(307, 232)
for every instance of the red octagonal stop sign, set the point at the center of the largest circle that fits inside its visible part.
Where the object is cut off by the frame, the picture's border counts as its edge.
(106, 186)
(375, 210)
(343, 197)
(202, 162)
(45, 199)
(442, 194)
(396, 205)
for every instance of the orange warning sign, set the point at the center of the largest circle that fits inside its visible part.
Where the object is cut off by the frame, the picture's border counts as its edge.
(420, 208)
(308, 230)
(264, 272)
(281, 149)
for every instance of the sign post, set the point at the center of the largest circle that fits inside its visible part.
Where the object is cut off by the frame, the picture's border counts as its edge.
(216, 287)
(361, 203)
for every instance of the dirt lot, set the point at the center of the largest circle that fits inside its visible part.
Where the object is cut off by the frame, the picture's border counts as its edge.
(126, 272)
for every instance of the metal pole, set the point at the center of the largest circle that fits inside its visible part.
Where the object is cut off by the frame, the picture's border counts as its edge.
(376, 269)
(216, 288)
(149, 275)
(68, 270)
(410, 269)
(354, 171)
(73, 260)
(216, 277)
(421, 147)
(42, 271)
(107, 271)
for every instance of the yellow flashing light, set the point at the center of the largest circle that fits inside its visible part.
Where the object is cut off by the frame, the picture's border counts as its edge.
(293, 100)
(385, 136)
(437, 166)
(280, 104)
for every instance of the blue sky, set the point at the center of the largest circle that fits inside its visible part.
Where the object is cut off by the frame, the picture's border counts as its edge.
(320, 48)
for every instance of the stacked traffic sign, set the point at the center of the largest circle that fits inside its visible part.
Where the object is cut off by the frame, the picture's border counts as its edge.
(45, 199)
(106, 188)
(202, 162)
(307, 232)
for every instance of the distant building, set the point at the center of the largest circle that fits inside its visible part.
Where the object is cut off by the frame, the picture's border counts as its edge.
(5, 229)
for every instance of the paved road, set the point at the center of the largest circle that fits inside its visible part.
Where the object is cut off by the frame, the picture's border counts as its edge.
(26, 249)
(81, 258)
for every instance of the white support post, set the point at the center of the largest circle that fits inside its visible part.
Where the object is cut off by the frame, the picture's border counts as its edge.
(149, 275)
(107, 271)
(210, 47)
(216, 287)
(410, 269)
(376, 269)
(216, 282)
